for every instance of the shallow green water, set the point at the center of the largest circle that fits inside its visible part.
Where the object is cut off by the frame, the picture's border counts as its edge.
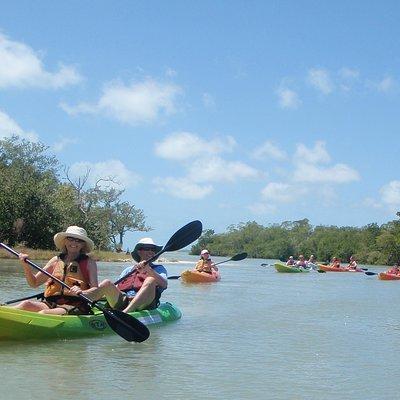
(256, 334)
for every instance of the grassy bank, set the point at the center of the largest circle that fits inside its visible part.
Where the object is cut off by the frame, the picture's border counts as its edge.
(35, 254)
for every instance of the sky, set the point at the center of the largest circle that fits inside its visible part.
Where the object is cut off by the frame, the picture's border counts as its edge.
(222, 111)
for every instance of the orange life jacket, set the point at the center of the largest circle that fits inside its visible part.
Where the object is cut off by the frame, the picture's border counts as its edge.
(204, 266)
(75, 273)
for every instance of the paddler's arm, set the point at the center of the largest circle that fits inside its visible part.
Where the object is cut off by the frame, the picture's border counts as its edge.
(161, 281)
(35, 280)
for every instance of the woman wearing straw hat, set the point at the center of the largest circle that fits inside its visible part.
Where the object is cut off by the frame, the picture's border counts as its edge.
(73, 266)
(205, 263)
(142, 288)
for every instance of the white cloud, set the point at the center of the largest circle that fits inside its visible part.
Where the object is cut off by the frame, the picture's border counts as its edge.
(390, 194)
(371, 203)
(386, 84)
(181, 146)
(288, 98)
(315, 155)
(21, 67)
(348, 73)
(62, 144)
(268, 149)
(262, 208)
(138, 103)
(278, 192)
(339, 173)
(8, 128)
(111, 169)
(182, 188)
(320, 80)
(215, 169)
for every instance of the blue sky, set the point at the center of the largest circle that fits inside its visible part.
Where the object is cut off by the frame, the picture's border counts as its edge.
(227, 111)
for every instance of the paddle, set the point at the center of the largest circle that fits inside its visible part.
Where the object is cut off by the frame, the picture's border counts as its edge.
(180, 239)
(33, 296)
(237, 257)
(126, 326)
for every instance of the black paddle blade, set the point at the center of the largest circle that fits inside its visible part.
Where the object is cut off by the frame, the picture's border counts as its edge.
(128, 327)
(184, 236)
(239, 257)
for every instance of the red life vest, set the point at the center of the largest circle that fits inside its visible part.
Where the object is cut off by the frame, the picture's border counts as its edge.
(133, 281)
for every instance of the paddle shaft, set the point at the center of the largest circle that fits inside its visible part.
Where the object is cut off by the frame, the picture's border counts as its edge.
(33, 296)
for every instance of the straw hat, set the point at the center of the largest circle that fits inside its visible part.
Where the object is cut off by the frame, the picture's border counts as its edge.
(77, 233)
(145, 242)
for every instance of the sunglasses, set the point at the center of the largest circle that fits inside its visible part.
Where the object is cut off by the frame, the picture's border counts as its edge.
(147, 248)
(72, 239)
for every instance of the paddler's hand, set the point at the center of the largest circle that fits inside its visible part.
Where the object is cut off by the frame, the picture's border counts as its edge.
(22, 257)
(75, 290)
(142, 267)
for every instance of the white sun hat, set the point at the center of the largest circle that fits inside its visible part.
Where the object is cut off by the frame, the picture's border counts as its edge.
(75, 232)
(145, 242)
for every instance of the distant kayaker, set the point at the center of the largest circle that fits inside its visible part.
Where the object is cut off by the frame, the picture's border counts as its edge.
(311, 262)
(395, 270)
(140, 290)
(301, 262)
(352, 263)
(290, 261)
(205, 264)
(72, 266)
(335, 263)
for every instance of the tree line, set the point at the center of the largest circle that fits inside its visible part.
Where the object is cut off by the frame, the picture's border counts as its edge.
(38, 198)
(371, 244)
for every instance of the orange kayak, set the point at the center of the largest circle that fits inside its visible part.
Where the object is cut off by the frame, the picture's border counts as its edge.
(384, 276)
(328, 268)
(191, 276)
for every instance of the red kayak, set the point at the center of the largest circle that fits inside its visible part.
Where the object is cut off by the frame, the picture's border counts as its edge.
(328, 268)
(384, 276)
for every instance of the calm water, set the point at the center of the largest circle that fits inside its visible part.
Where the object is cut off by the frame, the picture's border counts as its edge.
(257, 334)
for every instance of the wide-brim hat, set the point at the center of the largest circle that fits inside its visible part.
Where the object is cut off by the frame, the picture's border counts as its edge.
(77, 233)
(144, 242)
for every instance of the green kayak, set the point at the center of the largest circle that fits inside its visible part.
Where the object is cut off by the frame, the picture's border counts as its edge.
(287, 268)
(21, 325)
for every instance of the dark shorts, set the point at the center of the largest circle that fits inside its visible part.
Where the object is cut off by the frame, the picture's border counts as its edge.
(124, 300)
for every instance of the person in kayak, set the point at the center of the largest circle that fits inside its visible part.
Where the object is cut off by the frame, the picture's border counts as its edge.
(140, 290)
(311, 262)
(352, 263)
(335, 263)
(205, 264)
(290, 261)
(395, 270)
(301, 262)
(72, 266)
